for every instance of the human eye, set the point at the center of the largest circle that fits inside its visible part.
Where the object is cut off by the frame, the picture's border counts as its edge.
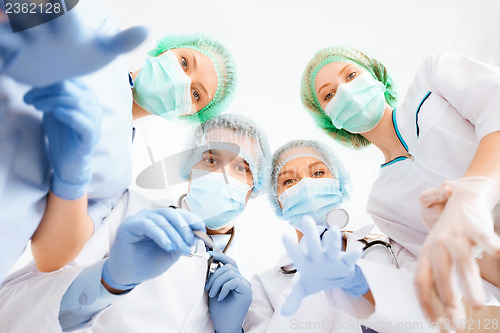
(242, 167)
(288, 182)
(184, 63)
(196, 95)
(318, 173)
(351, 76)
(329, 96)
(210, 160)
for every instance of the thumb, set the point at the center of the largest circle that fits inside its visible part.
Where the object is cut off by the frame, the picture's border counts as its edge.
(435, 195)
(432, 203)
(293, 301)
(123, 41)
(491, 244)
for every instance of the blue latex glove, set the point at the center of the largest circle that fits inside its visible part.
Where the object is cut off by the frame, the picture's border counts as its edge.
(60, 49)
(147, 244)
(72, 123)
(230, 295)
(324, 265)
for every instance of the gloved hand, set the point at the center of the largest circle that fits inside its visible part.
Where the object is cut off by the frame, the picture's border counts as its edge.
(147, 244)
(72, 123)
(432, 203)
(323, 265)
(61, 49)
(230, 295)
(465, 227)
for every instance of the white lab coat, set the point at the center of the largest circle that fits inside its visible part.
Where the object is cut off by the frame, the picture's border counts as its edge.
(441, 131)
(337, 311)
(173, 302)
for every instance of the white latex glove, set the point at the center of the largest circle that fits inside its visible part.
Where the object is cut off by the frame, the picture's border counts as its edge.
(432, 203)
(465, 225)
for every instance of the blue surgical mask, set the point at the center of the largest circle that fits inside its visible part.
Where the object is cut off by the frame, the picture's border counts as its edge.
(216, 202)
(311, 196)
(358, 106)
(162, 87)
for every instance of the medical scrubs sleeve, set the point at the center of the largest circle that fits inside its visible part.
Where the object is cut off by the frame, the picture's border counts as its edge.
(472, 87)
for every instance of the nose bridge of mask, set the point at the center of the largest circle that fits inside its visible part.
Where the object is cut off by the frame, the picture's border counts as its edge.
(238, 188)
(315, 197)
(215, 198)
(181, 83)
(305, 190)
(226, 185)
(351, 102)
(346, 94)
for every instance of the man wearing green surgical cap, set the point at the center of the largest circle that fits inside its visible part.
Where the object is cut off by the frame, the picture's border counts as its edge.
(190, 77)
(438, 191)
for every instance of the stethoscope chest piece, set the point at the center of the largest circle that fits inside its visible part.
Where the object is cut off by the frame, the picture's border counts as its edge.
(338, 217)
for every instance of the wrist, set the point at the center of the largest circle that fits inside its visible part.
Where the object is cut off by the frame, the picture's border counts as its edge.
(484, 190)
(357, 286)
(69, 190)
(111, 285)
(112, 290)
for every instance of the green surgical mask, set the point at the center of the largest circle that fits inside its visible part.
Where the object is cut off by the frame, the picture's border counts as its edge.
(162, 88)
(358, 106)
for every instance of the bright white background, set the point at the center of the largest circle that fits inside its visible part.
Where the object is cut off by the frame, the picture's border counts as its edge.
(272, 41)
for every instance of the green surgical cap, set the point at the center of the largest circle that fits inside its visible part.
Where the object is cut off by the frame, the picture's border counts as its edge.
(224, 66)
(310, 100)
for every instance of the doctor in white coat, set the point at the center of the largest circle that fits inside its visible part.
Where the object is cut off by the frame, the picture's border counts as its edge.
(308, 180)
(139, 281)
(446, 130)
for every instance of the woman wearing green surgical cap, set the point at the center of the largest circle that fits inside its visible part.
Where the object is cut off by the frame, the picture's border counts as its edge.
(191, 77)
(440, 145)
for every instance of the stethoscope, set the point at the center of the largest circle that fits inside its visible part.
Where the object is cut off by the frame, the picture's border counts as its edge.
(210, 245)
(339, 217)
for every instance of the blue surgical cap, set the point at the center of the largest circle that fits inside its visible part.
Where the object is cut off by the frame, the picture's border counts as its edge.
(306, 148)
(237, 134)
